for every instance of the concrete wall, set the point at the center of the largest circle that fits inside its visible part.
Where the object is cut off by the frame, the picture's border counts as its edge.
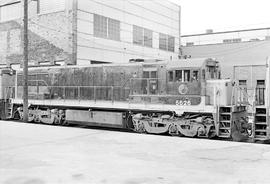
(158, 16)
(226, 37)
(250, 73)
(231, 54)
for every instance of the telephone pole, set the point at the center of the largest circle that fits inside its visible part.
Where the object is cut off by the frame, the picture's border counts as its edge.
(25, 62)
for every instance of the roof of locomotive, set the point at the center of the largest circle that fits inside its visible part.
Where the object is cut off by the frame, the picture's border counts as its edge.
(189, 63)
(182, 63)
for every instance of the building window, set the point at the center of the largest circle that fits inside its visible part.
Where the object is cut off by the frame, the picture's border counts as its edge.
(163, 41)
(242, 83)
(260, 82)
(235, 40)
(189, 43)
(114, 29)
(147, 37)
(100, 26)
(166, 42)
(171, 43)
(106, 27)
(142, 36)
(137, 35)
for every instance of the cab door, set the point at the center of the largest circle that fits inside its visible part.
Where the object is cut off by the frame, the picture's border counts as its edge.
(150, 81)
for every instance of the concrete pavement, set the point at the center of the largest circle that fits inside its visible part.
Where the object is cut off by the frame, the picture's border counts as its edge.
(39, 154)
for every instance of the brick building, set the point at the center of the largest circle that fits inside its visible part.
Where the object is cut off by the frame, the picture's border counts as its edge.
(90, 31)
(50, 32)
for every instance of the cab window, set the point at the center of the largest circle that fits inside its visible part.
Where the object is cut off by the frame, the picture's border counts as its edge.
(153, 74)
(170, 76)
(195, 75)
(178, 75)
(145, 74)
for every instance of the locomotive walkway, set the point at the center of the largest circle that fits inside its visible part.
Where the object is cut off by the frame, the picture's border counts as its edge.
(39, 154)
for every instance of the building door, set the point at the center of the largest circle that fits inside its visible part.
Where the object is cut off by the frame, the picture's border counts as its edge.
(242, 93)
(260, 90)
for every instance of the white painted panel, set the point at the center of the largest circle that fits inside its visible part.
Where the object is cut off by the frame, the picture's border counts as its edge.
(11, 12)
(144, 14)
(85, 16)
(158, 7)
(47, 6)
(167, 26)
(156, 40)
(126, 34)
(113, 55)
(83, 62)
(85, 27)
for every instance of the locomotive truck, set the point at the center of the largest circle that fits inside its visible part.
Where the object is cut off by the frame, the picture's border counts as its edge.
(183, 97)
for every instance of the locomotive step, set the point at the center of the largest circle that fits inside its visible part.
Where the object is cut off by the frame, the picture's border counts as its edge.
(225, 113)
(260, 115)
(260, 137)
(260, 123)
(224, 135)
(224, 128)
(225, 121)
(260, 130)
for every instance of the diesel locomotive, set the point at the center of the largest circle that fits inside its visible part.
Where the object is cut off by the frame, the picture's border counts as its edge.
(183, 97)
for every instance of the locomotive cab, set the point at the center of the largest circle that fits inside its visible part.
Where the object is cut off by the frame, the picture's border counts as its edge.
(187, 78)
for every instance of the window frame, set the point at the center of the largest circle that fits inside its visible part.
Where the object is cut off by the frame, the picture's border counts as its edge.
(180, 79)
(104, 28)
(164, 42)
(141, 38)
(196, 72)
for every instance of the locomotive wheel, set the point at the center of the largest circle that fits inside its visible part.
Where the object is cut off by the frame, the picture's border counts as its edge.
(141, 128)
(173, 130)
(212, 132)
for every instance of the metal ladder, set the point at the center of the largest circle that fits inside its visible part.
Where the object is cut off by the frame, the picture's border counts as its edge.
(261, 124)
(9, 110)
(8, 104)
(225, 121)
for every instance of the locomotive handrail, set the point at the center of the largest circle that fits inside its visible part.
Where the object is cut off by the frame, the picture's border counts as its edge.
(75, 92)
(38, 81)
(187, 95)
